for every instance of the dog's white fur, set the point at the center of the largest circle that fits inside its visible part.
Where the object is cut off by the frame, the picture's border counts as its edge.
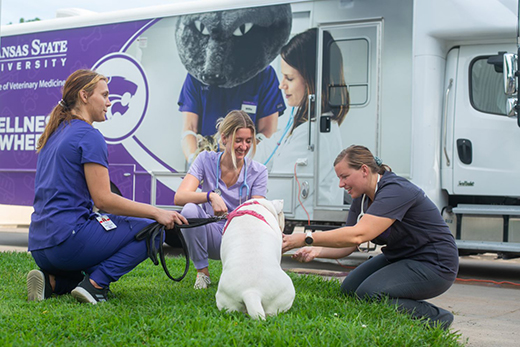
(252, 279)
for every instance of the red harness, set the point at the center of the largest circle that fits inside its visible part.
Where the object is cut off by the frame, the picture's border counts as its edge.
(236, 213)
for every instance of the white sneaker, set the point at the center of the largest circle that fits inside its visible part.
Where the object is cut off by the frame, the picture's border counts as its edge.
(38, 286)
(202, 281)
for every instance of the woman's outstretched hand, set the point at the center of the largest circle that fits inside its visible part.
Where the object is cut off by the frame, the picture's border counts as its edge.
(306, 254)
(292, 241)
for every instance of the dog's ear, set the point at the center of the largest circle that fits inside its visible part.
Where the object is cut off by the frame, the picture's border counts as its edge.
(278, 206)
(281, 220)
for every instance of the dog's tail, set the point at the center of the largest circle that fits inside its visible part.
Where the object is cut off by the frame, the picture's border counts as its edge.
(253, 303)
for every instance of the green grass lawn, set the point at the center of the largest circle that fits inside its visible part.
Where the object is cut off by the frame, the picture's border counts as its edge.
(149, 309)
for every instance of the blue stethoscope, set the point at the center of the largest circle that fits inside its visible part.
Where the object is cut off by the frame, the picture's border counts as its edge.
(287, 127)
(242, 186)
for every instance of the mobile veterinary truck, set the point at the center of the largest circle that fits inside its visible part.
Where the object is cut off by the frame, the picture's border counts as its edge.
(424, 96)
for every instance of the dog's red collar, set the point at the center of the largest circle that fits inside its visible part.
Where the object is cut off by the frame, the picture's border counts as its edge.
(236, 212)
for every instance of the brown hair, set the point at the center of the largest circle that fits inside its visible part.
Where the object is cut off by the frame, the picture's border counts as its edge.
(229, 126)
(300, 53)
(63, 112)
(357, 156)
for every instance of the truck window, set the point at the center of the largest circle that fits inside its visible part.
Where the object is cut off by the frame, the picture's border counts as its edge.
(356, 75)
(486, 87)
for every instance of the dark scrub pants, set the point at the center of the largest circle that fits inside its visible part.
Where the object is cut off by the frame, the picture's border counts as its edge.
(104, 255)
(405, 282)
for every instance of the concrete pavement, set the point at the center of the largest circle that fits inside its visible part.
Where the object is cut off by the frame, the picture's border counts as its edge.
(13, 238)
(486, 314)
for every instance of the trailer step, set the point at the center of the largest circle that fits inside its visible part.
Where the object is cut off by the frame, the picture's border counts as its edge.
(486, 246)
(499, 210)
(506, 211)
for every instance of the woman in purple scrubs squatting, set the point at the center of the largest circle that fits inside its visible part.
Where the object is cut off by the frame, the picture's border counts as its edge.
(420, 258)
(228, 179)
(79, 251)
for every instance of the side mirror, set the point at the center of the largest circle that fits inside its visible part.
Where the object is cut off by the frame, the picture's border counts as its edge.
(511, 106)
(510, 87)
(506, 63)
(509, 73)
(497, 61)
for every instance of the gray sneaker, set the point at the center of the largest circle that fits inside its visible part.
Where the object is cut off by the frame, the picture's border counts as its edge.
(202, 281)
(38, 286)
(87, 293)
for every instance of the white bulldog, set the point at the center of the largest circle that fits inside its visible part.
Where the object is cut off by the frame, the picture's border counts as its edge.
(252, 279)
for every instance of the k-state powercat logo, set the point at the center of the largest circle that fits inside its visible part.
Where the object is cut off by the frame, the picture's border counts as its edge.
(128, 89)
(122, 91)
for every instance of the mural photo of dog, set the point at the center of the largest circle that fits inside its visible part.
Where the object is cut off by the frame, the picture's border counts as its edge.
(227, 55)
(228, 48)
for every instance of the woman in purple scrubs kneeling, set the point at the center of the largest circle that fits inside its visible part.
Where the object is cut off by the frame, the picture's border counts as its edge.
(228, 179)
(78, 250)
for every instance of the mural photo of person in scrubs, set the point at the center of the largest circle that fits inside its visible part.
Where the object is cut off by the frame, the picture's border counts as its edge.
(281, 152)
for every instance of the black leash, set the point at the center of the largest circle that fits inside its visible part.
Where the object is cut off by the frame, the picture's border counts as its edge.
(155, 229)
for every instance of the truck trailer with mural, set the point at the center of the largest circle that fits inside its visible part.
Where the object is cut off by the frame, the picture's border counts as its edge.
(424, 84)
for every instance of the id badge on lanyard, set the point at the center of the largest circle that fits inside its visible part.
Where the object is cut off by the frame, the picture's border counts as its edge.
(105, 222)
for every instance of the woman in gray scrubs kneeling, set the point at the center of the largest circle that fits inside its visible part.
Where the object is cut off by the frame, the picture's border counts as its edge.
(420, 258)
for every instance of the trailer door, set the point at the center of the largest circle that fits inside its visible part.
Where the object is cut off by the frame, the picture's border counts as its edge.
(485, 141)
(357, 45)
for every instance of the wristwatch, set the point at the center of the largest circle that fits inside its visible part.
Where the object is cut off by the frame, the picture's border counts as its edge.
(309, 239)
